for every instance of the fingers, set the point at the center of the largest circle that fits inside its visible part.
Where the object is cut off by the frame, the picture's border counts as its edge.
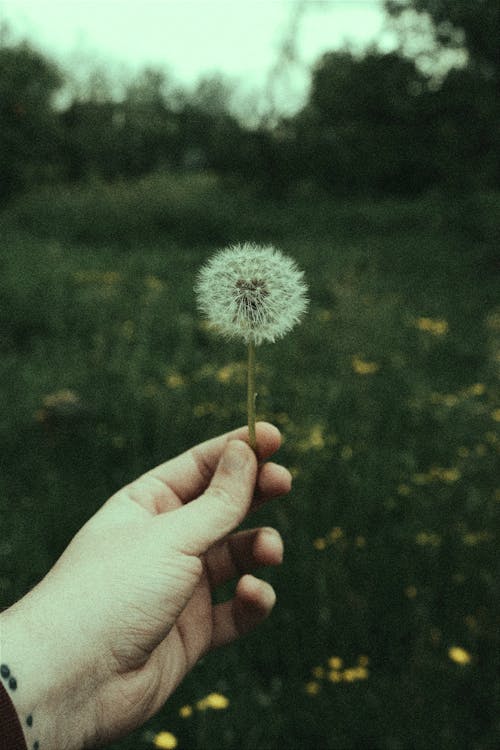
(273, 480)
(189, 474)
(243, 552)
(196, 526)
(253, 602)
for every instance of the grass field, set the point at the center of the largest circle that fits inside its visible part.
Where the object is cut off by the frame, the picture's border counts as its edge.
(386, 631)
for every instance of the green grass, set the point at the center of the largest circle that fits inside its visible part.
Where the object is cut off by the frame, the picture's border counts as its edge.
(401, 461)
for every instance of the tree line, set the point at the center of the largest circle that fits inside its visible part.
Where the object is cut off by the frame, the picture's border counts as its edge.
(372, 124)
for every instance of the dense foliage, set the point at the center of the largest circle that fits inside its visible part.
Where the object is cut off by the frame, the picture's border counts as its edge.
(385, 635)
(374, 124)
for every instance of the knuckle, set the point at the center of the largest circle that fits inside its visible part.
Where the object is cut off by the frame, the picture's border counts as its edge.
(221, 495)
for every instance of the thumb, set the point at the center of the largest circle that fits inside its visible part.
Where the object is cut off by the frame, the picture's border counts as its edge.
(201, 523)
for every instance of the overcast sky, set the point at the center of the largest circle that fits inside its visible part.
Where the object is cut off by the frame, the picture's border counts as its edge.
(239, 38)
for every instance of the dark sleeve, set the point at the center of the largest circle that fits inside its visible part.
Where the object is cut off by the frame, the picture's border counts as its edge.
(11, 734)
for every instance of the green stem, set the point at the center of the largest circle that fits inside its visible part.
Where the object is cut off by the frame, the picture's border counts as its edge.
(251, 395)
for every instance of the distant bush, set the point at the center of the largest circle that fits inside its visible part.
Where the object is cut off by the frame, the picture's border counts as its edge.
(29, 135)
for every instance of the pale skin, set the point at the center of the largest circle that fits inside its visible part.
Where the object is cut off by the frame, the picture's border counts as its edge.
(99, 645)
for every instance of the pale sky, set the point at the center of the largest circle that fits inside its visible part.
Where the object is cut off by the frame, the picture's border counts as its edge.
(239, 38)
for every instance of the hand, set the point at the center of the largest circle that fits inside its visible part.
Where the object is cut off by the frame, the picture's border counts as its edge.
(103, 640)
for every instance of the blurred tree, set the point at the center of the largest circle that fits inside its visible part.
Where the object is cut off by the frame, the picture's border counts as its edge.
(118, 138)
(473, 95)
(365, 126)
(29, 134)
(475, 25)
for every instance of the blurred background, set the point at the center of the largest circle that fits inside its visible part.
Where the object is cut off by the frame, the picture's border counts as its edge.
(362, 138)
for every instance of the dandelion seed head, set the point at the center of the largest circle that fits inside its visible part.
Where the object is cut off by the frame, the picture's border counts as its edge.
(252, 293)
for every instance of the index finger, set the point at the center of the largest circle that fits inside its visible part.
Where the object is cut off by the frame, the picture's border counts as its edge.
(189, 474)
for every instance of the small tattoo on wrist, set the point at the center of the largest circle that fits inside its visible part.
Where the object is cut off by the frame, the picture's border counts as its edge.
(11, 681)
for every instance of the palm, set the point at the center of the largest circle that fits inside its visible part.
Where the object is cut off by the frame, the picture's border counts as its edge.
(158, 638)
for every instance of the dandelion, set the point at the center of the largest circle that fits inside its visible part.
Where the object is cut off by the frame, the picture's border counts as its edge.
(437, 327)
(319, 543)
(459, 655)
(335, 662)
(165, 740)
(403, 490)
(217, 701)
(312, 688)
(361, 367)
(254, 294)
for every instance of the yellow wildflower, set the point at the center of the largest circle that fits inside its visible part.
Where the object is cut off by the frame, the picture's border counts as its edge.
(319, 543)
(97, 277)
(363, 660)
(435, 326)
(185, 712)
(63, 397)
(477, 389)
(361, 367)
(335, 662)
(360, 541)
(315, 440)
(496, 415)
(174, 380)
(359, 673)
(318, 672)
(459, 655)
(165, 740)
(232, 372)
(316, 437)
(201, 410)
(335, 534)
(403, 490)
(428, 539)
(313, 688)
(335, 676)
(349, 675)
(472, 538)
(217, 701)
(450, 475)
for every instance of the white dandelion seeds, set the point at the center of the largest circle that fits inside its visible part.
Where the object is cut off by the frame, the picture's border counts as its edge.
(255, 294)
(252, 293)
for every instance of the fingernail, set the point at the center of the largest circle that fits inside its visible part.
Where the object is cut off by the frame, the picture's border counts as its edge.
(286, 474)
(277, 540)
(235, 456)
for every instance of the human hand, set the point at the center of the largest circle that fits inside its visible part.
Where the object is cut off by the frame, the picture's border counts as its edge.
(103, 640)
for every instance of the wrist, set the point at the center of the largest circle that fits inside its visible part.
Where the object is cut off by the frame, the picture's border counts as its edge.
(46, 694)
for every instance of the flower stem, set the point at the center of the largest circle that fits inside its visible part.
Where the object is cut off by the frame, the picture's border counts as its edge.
(251, 395)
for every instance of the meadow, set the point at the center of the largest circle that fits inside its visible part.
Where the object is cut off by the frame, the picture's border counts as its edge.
(385, 635)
